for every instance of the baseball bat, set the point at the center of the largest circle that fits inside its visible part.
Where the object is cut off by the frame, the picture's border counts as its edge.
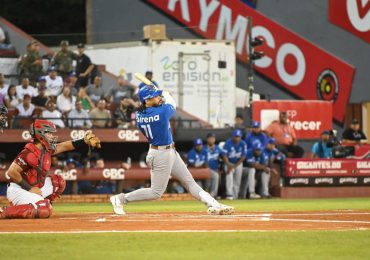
(143, 79)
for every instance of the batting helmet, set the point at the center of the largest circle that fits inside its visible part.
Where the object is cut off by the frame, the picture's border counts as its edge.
(148, 91)
(3, 116)
(38, 132)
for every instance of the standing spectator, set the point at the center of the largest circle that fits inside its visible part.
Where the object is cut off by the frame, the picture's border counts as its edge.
(148, 75)
(26, 88)
(256, 135)
(3, 87)
(353, 134)
(63, 59)
(320, 148)
(65, 101)
(233, 155)
(95, 91)
(11, 99)
(123, 89)
(86, 101)
(213, 155)
(239, 122)
(83, 67)
(124, 113)
(41, 99)
(100, 116)
(285, 136)
(54, 83)
(53, 115)
(258, 165)
(31, 63)
(26, 109)
(79, 117)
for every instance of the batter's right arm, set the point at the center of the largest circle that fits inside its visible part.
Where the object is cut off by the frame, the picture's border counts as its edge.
(14, 173)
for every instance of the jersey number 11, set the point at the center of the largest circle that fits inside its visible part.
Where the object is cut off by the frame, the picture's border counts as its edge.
(147, 130)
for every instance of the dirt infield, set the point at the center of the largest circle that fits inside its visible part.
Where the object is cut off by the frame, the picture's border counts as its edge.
(191, 222)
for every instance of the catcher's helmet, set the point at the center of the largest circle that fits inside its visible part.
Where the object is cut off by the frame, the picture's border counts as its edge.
(3, 116)
(148, 91)
(38, 130)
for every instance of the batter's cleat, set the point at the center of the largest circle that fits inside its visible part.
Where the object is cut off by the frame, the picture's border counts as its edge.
(221, 210)
(117, 205)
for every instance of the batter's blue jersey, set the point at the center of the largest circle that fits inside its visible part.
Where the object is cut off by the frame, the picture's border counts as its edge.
(197, 158)
(251, 138)
(213, 156)
(234, 151)
(251, 158)
(154, 123)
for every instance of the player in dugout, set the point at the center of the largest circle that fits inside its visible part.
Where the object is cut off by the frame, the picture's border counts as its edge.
(31, 189)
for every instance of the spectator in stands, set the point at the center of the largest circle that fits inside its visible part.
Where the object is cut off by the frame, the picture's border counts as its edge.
(354, 134)
(11, 99)
(52, 114)
(258, 166)
(41, 99)
(100, 116)
(54, 83)
(239, 122)
(31, 63)
(86, 101)
(65, 101)
(63, 60)
(26, 88)
(26, 109)
(95, 91)
(320, 148)
(71, 81)
(256, 135)
(3, 86)
(79, 118)
(123, 89)
(213, 157)
(84, 66)
(124, 113)
(285, 136)
(2, 36)
(148, 75)
(233, 154)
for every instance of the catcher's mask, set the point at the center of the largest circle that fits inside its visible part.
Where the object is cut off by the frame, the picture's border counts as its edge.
(3, 116)
(42, 131)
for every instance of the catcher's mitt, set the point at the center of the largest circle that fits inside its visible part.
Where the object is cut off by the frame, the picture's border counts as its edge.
(92, 140)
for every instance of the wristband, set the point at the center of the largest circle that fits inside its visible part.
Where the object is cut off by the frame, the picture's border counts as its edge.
(78, 143)
(25, 185)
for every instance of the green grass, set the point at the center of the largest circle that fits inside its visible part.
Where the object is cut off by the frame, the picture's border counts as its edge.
(237, 245)
(241, 245)
(240, 205)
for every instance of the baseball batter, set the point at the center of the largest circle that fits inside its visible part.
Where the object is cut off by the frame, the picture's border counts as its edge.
(31, 189)
(153, 120)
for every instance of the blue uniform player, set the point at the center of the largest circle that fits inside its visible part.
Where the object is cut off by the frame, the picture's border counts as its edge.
(234, 154)
(275, 156)
(258, 163)
(256, 135)
(197, 156)
(213, 156)
(153, 120)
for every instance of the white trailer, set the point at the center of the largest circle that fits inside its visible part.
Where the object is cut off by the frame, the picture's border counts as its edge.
(191, 70)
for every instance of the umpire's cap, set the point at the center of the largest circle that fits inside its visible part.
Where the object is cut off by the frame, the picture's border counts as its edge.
(148, 91)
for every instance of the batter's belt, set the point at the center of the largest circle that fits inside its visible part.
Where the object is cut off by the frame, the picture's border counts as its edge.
(163, 147)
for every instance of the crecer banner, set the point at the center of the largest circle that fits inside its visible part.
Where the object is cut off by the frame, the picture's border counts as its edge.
(308, 118)
(295, 64)
(351, 15)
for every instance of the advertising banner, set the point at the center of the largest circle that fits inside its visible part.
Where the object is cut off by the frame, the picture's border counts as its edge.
(295, 64)
(308, 118)
(351, 15)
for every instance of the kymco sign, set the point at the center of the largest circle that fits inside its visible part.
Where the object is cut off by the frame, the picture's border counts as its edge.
(294, 63)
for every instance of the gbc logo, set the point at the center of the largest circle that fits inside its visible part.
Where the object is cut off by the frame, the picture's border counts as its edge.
(70, 175)
(26, 135)
(114, 174)
(77, 134)
(129, 135)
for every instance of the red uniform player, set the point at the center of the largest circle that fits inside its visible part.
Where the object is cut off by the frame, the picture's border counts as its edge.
(31, 189)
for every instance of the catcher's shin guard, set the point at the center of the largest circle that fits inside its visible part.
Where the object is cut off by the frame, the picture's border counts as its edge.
(59, 184)
(42, 209)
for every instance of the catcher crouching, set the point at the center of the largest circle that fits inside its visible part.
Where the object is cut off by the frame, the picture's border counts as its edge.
(31, 189)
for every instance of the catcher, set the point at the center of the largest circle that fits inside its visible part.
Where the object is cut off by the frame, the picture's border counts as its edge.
(31, 189)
